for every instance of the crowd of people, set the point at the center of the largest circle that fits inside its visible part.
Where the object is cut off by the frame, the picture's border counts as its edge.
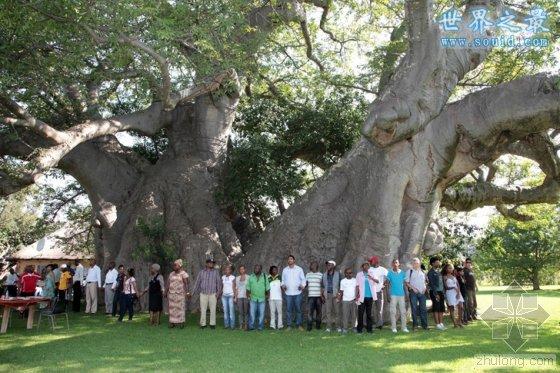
(341, 301)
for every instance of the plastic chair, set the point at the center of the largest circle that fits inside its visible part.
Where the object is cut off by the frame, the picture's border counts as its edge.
(51, 313)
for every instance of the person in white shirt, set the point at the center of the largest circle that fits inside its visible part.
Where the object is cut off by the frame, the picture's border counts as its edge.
(93, 282)
(349, 293)
(380, 273)
(275, 298)
(228, 297)
(293, 282)
(416, 283)
(110, 279)
(77, 284)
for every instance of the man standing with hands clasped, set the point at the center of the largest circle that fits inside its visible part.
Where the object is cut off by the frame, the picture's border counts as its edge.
(293, 282)
(93, 282)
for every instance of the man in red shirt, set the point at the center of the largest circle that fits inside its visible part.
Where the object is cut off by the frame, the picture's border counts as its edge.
(29, 282)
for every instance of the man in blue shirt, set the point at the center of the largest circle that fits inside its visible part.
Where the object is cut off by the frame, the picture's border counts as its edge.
(395, 280)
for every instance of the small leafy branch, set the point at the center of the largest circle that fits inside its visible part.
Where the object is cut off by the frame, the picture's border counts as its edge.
(154, 249)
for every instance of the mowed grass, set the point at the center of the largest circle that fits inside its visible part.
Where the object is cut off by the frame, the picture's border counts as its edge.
(99, 343)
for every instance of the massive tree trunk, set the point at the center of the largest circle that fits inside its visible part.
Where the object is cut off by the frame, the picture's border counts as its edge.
(175, 195)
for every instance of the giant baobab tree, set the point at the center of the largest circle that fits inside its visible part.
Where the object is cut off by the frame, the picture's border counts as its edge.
(380, 198)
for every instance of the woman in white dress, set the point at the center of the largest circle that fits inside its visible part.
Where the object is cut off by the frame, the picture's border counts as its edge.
(452, 294)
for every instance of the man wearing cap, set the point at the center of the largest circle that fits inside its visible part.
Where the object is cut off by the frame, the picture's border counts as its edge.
(380, 273)
(331, 286)
(209, 286)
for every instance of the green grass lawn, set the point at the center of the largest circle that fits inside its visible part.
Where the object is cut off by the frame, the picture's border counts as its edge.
(99, 343)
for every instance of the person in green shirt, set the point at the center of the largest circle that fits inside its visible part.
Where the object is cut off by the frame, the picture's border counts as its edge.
(257, 290)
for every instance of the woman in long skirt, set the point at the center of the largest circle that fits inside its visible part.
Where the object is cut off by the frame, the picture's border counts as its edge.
(177, 292)
(156, 291)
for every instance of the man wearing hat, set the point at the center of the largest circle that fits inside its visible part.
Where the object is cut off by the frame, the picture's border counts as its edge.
(331, 285)
(379, 273)
(209, 286)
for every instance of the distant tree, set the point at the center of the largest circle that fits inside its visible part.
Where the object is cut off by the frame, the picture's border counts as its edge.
(20, 224)
(524, 251)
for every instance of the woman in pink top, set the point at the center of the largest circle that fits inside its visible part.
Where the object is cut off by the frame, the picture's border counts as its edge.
(129, 293)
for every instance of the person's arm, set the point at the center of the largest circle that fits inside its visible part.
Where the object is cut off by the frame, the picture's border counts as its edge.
(166, 288)
(282, 281)
(196, 287)
(219, 284)
(234, 286)
(98, 276)
(248, 288)
(302, 278)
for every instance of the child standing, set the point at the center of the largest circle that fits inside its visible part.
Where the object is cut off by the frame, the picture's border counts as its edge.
(228, 295)
(241, 297)
(349, 294)
(275, 298)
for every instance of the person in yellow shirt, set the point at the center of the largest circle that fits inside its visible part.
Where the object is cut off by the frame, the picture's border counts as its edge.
(64, 283)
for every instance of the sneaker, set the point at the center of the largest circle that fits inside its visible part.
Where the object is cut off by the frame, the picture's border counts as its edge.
(327, 330)
(405, 330)
(272, 327)
(344, 331)
(339, 330)
(300, 328)
(443, 327)
(394, 330)
(212, 326)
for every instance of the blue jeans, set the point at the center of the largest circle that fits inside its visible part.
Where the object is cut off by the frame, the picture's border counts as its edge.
(254, 308)
(229, 311)
(293, 302)
(418, 309)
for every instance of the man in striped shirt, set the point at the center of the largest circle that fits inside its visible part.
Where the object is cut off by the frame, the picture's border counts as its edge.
(314, 282)
(209, 286)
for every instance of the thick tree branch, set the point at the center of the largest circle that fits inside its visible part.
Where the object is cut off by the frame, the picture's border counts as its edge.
(424, 79)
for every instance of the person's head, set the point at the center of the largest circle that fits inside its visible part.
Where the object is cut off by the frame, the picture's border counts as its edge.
(447, 269)
(111, 265)
(257, 269)
(395, 264)
(331, 264)
(374, 261)
(228, 270)
(241, 269)
(154, 269)
(121, 269)
(12, 271)
(348, 273)
(435, 262)
(416, 263)
(459, 271)
(177, 265)
(131, 272)
(291, 260)
(64, 268)
(210, 263)
(468, 263)
(31, 268)
(365, 266)
(48, 269)
(314, 266)
(273, 271)
(76, 262)
(92, 262)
